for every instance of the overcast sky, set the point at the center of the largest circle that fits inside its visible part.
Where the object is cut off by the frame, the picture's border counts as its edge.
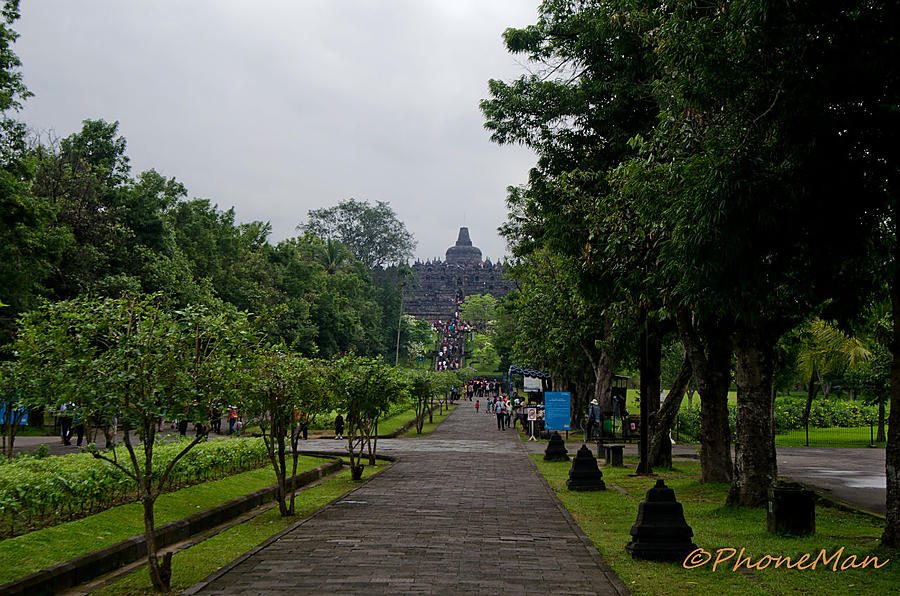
(276, 108)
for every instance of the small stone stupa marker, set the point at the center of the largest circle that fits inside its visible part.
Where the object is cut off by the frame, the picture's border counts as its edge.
(556, 449)
(660, 532)
(585, 474)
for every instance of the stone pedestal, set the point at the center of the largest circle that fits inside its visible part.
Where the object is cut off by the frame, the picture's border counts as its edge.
(614, 456)
(792, 510)
(660, 532)
(556, 449)
(585, 475)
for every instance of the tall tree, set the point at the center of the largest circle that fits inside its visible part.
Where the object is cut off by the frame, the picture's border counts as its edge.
(579, 110)
(373, 233)
(30, 246)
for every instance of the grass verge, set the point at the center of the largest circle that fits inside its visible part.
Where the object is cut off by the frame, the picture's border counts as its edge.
(607, 516)
(32, 552)
(193, 564)
(389, 425)
(428, 428)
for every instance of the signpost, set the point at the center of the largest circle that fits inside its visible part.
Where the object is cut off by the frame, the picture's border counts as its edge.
(532, 416)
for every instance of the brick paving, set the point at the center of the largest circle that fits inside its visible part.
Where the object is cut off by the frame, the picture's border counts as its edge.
(463, 511)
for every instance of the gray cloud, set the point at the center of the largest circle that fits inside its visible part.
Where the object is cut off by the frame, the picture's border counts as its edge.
(281, 107)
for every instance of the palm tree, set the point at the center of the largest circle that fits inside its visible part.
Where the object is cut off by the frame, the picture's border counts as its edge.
(332, 256)
(826, 351)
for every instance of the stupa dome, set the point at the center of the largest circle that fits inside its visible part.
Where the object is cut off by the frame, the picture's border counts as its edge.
(463, 253)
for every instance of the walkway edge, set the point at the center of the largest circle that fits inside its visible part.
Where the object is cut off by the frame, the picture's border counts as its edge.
(235, 562)
(608, 573)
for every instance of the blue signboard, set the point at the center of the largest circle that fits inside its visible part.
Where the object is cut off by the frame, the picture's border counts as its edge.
(557, 410)
(22, 422)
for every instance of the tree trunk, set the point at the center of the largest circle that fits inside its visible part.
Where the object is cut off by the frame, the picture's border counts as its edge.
(715, 431)
(281, 476)
(653, 373)
(602, 367)
(709, 348)
(755, 468)
(891, 536)
(295, 439)
(11, 424)
(420, 415)
(373, 444)
(160, 572)
(660, 444)
(650, 368)
(881, 414)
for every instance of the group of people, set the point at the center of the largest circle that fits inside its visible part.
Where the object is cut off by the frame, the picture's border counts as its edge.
(450, 345)
(507, 411)
(72, 423)
(483, 388)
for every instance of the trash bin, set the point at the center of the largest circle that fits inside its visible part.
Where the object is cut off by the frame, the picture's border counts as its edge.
(792, 510)
(608, 427)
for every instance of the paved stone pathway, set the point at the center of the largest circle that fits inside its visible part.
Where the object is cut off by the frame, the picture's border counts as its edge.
(463, 511)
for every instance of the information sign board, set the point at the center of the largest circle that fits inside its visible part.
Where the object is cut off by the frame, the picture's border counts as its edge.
(557, 410)
(532, 384)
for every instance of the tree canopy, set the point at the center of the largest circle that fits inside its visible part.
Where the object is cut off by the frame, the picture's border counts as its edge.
(373, 234)
(695, 163)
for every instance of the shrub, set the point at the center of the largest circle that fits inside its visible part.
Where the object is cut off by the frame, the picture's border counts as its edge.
(824, 413)
(38, 492)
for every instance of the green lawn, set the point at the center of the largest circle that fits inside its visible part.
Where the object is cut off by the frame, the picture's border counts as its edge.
(429, 428)
(31, 552)
(389, 425)
(607, 516)
(326, 423)
(193, 564)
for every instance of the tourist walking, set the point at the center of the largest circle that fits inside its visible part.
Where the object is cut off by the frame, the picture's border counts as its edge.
(593, 419)
(78, 427)
(500, 410)
(65, 422)
(339, 427)
(232, 419)
(476, 406)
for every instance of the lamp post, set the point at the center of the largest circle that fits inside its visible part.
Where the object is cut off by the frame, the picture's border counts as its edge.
(399, 322)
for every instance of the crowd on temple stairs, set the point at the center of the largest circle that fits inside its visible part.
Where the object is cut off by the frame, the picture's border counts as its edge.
(450, 345)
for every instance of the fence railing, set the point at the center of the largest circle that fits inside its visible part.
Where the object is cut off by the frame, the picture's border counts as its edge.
(808, 436)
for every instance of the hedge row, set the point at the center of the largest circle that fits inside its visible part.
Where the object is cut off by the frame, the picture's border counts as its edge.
(39, 492)
(824, 413)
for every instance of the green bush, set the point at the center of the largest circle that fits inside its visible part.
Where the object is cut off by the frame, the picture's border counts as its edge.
(38, 492)
(824, 413)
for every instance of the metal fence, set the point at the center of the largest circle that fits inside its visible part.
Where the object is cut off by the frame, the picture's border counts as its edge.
(835, 436)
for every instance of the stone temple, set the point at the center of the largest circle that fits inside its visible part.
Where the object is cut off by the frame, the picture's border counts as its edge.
(462, 273)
